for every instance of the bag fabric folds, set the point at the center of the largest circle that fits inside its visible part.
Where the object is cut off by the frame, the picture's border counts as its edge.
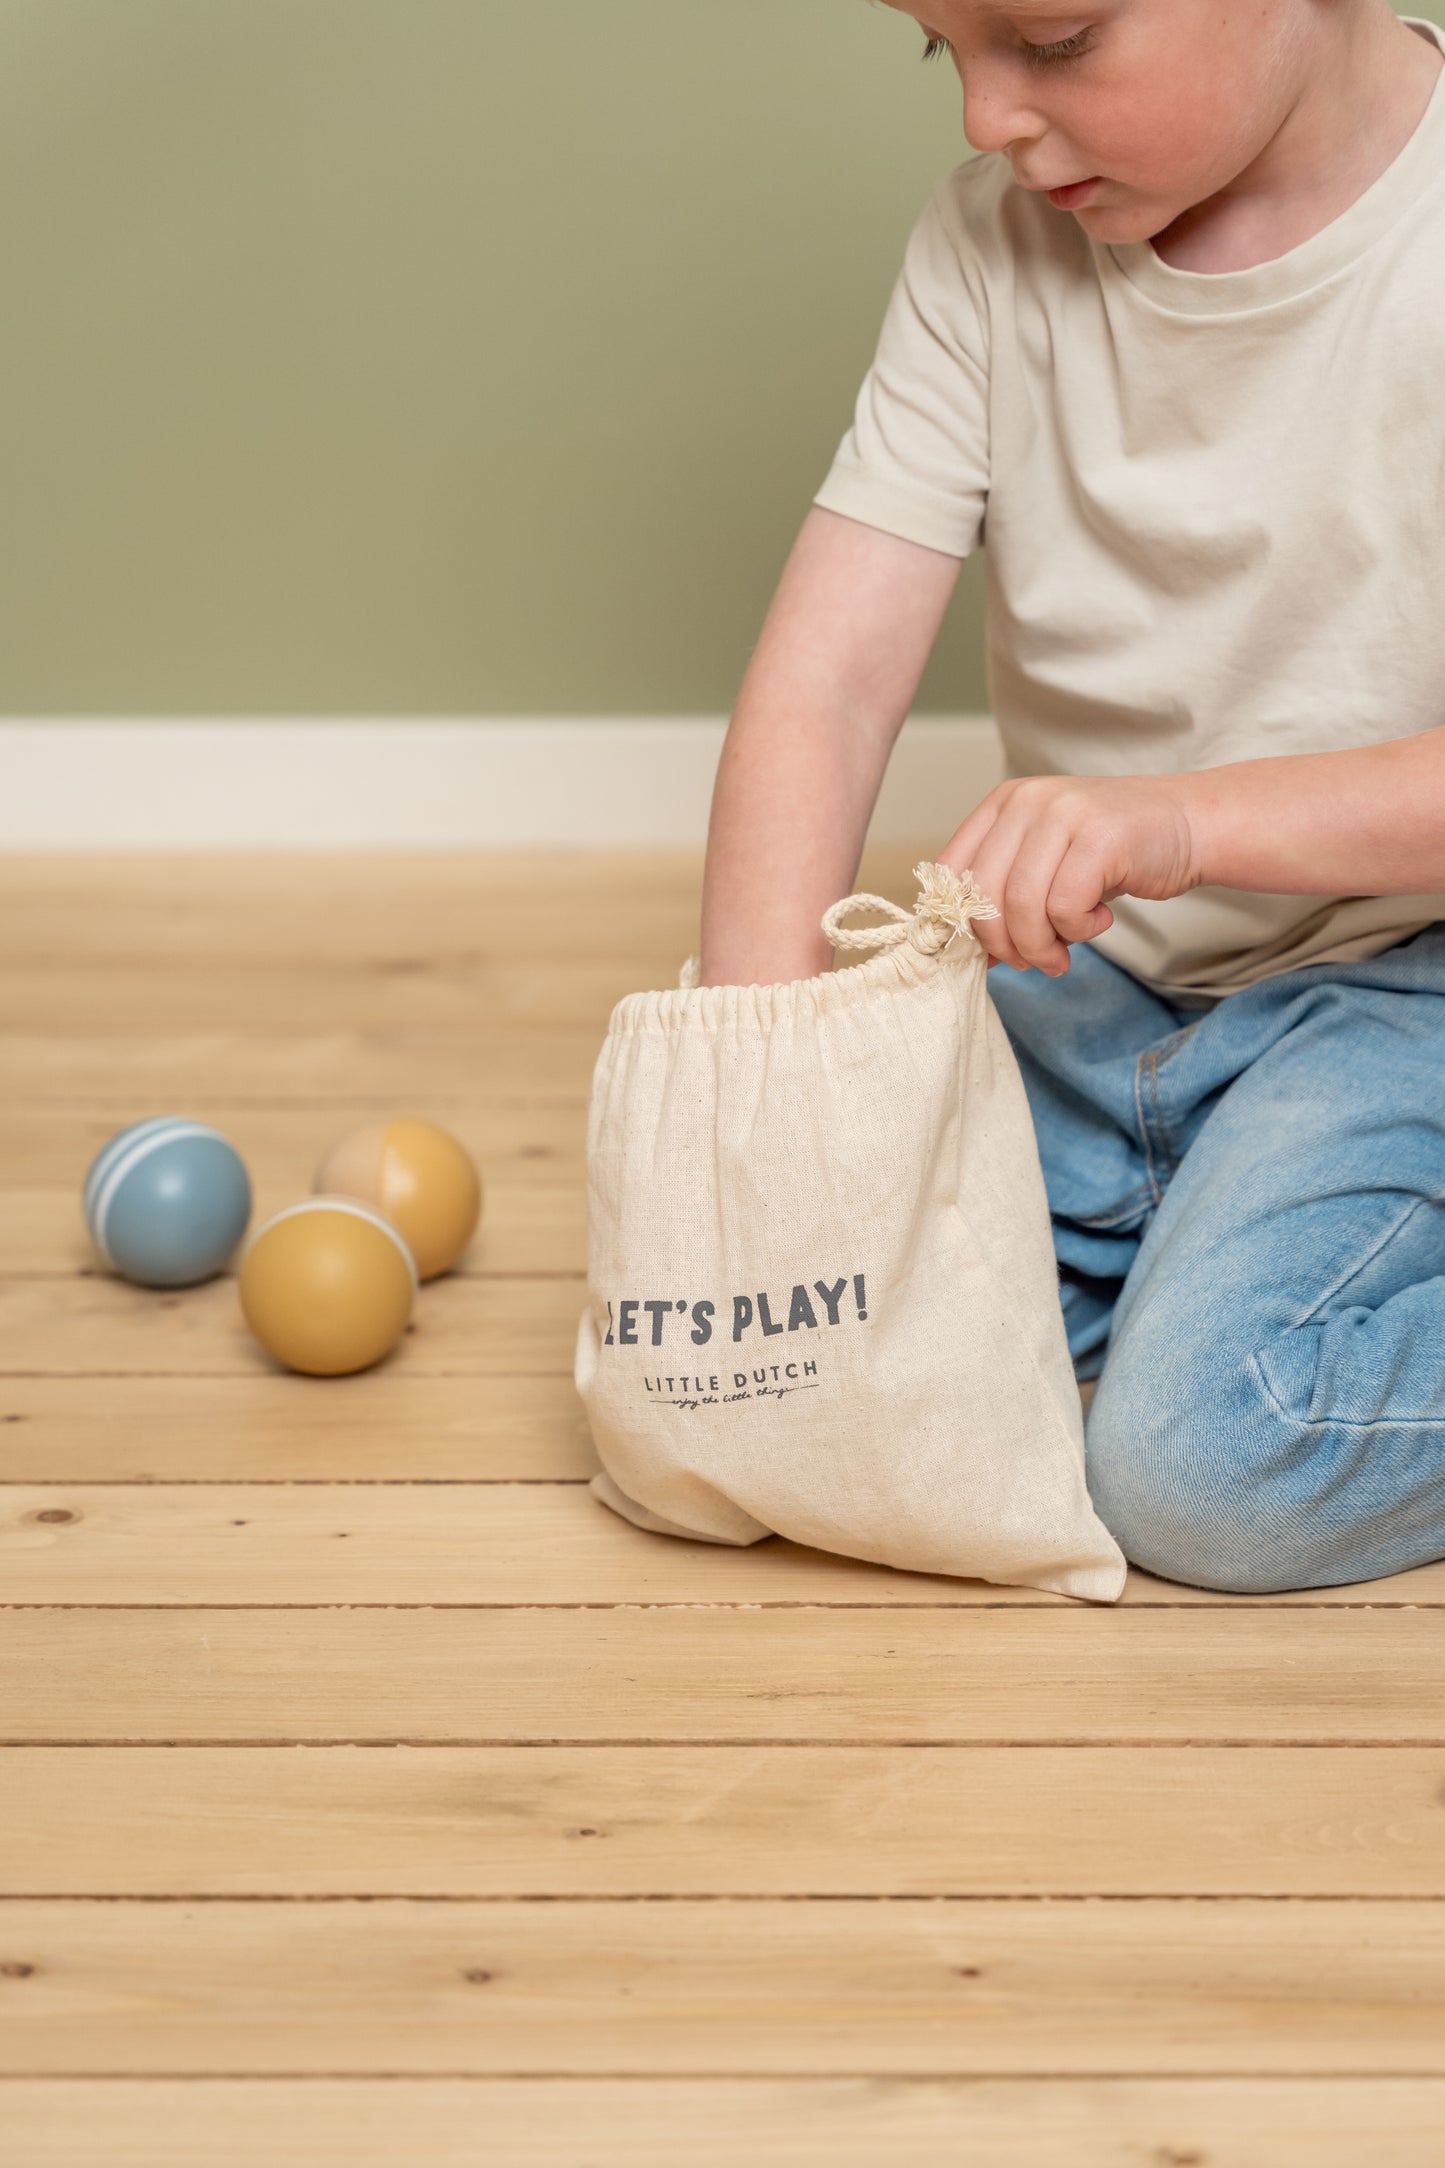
(822, 1297)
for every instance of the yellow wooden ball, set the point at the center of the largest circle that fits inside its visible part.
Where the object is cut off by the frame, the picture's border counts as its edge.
(327, 1286)
(419, 1176)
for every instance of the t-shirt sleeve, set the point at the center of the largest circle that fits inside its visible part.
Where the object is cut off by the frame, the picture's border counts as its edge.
(915, 461)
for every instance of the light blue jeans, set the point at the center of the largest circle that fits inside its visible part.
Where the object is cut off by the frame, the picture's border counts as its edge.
(1249, 1215)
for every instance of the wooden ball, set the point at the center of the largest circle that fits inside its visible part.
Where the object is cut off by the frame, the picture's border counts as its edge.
(327, 1286)
(166, 1201)
(419, 1176)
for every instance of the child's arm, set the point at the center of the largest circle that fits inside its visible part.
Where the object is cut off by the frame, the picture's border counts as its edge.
(1367, 822)
(1051, 850)
(824, 697)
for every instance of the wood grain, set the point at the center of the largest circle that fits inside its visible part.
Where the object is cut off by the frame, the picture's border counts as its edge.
(718, 2122)
(733, 1821)
(505, 985)
(904, 1989)
(317, 1543)
(223, 909)
(382, 1070)
(1011, 1675)
(273, 1428)
(477, 1327)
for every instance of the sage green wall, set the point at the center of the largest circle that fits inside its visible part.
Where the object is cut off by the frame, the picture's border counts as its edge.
(436, 356)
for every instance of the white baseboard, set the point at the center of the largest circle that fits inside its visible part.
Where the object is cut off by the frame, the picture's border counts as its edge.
(398, 784)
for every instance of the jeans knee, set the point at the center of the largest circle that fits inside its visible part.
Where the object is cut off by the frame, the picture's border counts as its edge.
(1188, 1484)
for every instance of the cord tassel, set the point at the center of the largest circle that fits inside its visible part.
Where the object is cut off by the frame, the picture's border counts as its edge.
(947, 903)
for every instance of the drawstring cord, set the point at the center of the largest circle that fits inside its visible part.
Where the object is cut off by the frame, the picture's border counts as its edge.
(947, 903)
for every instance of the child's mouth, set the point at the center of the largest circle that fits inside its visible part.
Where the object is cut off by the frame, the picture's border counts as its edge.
(1076, 192)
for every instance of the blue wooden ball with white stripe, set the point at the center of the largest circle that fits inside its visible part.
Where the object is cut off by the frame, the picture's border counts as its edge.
(167, 1201)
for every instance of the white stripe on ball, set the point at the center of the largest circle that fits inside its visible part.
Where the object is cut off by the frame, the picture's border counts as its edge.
(352, 1205)
(167, 1131)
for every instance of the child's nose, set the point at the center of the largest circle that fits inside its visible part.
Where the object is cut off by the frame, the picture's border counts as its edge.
(995, 116)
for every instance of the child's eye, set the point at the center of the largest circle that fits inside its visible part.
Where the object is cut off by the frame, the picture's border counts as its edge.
(1043, 56)
(1038, 56)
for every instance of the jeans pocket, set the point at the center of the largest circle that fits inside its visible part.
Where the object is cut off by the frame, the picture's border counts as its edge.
(1371, 1348)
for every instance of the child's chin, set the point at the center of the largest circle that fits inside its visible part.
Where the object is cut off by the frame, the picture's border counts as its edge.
(1121, 222)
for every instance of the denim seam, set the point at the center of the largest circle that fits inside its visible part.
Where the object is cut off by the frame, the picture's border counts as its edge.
(1360, 1263)
(1145, 1135)
(1342, 1422)
(1168, 1048)
(1335, 1422)
(1143, 1194)
(1154, 1060)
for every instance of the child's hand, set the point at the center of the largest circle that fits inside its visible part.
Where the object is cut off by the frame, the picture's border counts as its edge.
(1051, 850)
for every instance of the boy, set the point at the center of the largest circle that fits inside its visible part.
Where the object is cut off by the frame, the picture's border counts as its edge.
(1173, 345)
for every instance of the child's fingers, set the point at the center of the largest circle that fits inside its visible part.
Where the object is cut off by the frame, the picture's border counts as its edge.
(1047, 886)
(1024, 852)
(995, 936)
(1017, 865)
(1021, 934)
(1075, 897)
(1025, 900)
(960, 853)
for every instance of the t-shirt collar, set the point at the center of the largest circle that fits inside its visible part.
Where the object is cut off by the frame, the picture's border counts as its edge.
(1419, 163)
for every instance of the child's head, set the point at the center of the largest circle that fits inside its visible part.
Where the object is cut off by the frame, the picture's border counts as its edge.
(1162, 103)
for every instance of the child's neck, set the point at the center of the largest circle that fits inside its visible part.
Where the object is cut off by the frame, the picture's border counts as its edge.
(1355, 116)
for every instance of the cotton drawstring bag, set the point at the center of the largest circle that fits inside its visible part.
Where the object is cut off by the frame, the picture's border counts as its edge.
(822, 1299)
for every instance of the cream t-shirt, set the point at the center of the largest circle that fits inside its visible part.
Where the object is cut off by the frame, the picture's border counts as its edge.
(1213, 505)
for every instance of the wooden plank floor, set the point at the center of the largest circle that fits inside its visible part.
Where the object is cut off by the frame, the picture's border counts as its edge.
(371, 1795)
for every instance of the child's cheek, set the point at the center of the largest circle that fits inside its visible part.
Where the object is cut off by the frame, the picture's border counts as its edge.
(1182, 148)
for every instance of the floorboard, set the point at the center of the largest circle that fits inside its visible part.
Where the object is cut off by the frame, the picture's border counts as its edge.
(887, 1988)
(696, 1673)
(372, 1794)
(719, 2122)
(571, 1821)
(387, 1426)
(517, 1543)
